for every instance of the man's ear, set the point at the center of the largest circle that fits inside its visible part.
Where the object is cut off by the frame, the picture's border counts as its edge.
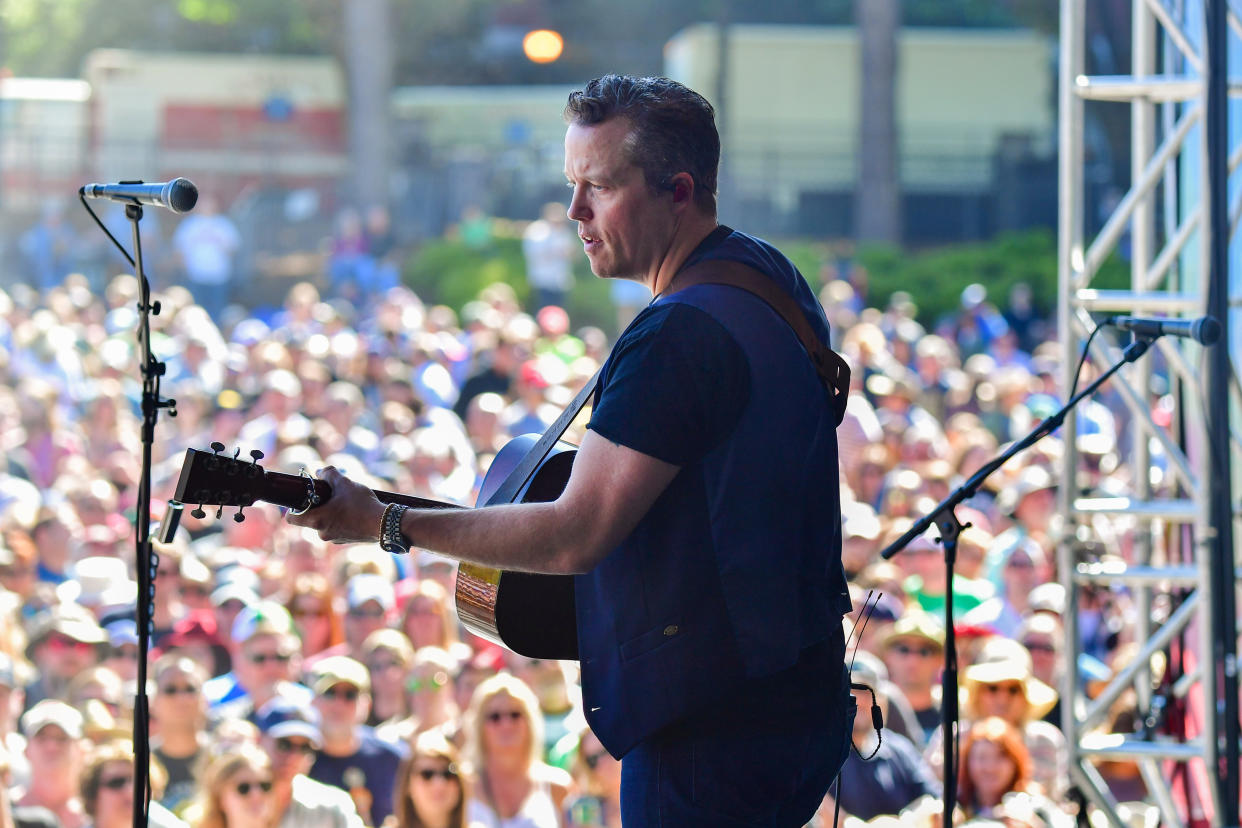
(682, 185)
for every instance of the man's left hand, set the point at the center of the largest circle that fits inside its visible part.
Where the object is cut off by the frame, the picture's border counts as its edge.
(351, 515)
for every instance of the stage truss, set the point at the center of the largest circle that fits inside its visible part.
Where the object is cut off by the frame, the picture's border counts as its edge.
(1174, 568)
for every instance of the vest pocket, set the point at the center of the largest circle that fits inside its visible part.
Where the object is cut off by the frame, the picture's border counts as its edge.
(650, 640)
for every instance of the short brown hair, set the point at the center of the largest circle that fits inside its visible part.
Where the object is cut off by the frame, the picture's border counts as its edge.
(673, 128)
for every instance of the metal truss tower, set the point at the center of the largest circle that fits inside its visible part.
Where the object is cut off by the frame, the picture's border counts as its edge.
(1168, 538)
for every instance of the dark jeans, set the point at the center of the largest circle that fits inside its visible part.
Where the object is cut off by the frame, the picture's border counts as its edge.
(765, 758)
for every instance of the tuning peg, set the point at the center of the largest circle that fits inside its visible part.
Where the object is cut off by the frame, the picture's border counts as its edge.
(217, 446)
(198, 513)
(220, 512)
(239, 517)
(236, 452)
(257, 455)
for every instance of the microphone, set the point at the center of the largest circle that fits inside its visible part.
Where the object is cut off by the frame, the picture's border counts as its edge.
(179, 195)
(1205, 330)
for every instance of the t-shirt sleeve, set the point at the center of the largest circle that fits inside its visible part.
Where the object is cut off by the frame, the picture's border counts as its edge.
(676, 387)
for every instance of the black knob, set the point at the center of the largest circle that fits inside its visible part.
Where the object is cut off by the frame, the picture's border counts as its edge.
(217, 446)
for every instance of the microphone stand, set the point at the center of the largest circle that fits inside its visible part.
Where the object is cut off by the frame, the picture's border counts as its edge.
(145, 560)
(950, 527)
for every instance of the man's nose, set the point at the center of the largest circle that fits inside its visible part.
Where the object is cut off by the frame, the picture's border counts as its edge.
(578, 210)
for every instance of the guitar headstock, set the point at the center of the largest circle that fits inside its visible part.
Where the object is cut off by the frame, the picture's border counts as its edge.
(217, 479)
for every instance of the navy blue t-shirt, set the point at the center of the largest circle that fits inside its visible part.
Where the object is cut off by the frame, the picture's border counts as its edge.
(678, 382)
(376, 759)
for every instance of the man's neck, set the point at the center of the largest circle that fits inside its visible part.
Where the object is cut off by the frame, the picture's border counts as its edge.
(920, 699)
(695, 227)
(344, 743)
(179, 742)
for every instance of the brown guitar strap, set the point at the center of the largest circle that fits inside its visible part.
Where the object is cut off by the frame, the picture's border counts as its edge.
(832, 369)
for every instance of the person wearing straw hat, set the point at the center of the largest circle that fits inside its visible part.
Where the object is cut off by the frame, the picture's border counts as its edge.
(1002, 683)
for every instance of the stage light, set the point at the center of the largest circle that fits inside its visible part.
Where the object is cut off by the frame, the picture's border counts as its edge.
(542, 45)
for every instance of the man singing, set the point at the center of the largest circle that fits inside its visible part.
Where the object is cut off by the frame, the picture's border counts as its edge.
(702, 515)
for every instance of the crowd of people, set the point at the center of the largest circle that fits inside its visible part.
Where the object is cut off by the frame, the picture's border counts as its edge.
(299, 683)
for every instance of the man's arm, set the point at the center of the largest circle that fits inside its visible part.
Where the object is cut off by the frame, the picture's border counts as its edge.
(609, 490)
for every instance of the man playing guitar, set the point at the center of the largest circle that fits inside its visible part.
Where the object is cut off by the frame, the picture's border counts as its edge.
(701, 518)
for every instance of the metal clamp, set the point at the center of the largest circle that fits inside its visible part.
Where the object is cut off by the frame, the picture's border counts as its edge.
(312, 497)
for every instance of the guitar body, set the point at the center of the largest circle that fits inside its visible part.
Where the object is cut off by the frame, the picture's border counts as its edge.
(533, 615)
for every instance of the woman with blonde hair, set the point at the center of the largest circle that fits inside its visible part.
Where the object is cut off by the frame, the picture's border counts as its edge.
(504, 742)
(237, 791)
(431, 791)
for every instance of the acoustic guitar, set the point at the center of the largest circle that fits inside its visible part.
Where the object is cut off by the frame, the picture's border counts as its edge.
(533, 615)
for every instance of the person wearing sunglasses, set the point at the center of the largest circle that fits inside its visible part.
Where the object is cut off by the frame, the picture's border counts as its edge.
(504, 743)
(431, 791)
(265, 661)
(291, 738)
(237, 791)
(913, 652)
(107, 785)
(352, 757)
(179, 716)
(1001, 683)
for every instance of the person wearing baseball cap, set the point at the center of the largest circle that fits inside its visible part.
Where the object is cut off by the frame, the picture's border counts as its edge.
(914, 655)
(291, 737)
(264, 647)
(352, 756)
(57, 751)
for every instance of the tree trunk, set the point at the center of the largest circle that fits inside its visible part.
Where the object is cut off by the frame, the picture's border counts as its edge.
(877, 197)
(368, 56)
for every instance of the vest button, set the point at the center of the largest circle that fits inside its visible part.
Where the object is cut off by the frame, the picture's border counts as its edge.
(671, 629)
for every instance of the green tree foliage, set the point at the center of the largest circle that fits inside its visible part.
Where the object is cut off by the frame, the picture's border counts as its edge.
(934, 278)
(49, 38)
(452, 272)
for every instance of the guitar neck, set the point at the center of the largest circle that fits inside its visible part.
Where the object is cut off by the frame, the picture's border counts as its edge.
(292, 491)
